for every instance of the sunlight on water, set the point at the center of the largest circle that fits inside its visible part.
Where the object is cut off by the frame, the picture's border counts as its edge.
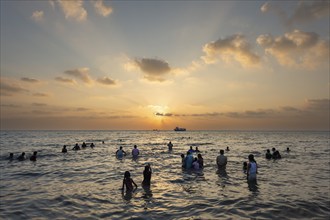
(86, 183)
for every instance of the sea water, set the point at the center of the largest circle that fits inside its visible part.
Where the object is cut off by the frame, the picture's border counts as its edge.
(86, 184)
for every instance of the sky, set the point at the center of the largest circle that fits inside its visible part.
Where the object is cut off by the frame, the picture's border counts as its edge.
(142, 65)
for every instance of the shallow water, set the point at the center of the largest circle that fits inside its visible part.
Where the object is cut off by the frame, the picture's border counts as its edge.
(86, 184)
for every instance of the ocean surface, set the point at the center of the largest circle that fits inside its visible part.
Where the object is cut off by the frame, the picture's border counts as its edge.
(86, 184)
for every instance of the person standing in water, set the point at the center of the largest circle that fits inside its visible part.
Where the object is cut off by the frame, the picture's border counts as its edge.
(128, 182)
(120, 152)
(221, 160)
(252, 169)
(135, 152)
(170, 146)
(189, 160)
(147, 175)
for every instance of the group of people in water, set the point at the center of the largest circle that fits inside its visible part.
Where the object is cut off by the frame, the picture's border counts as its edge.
(33, 157)
(22, 157)
(188, 162)
(250, 167)
(77, 147)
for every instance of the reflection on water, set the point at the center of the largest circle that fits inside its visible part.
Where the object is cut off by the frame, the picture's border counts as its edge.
(86, 183)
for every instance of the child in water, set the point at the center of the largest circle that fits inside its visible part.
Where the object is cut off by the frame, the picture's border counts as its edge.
(128, 182)
(245, 166)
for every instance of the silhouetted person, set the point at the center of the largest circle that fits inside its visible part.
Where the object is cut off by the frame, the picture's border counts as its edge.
(83, 145)
(92, 145)
(183, 160)
(64, 150)
(200, 160)
(11, 156)
(288, 149)
(34, 156)
(245, 165)
(196, 150)
(21, 157)
(76, 147)
(277, 155)
(170, 146)
(128, 182)
(268, 154)
(221, 160)
(191, 150)
(147, 175)
(227, 149)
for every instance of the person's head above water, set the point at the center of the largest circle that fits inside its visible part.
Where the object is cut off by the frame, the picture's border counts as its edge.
(182, 155)
(222, 152)
(127, 174)
(135, 146)
(273, 149)
(35, 152)
(120, 147)
(268, 151)
(251, 157)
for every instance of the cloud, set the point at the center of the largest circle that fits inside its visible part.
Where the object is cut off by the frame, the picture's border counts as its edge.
(234, 47)
(163, 114)
(305, 11)
(64, 80)
(107, 81)
(73, 9)
(39, 94)
(296, 49)
(29, 80)
(39, 104)
(317, 105)
(7, 89)
(309, 11)
(81, 73)
(101, 8)
(152, 69)
(37, 16)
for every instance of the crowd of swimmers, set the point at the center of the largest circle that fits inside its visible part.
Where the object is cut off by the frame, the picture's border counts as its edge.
(188, 162)
(33, 157)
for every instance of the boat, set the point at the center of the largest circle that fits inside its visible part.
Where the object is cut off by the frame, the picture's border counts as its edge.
(179, 129)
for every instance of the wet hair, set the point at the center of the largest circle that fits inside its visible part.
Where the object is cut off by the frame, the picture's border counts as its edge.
(135, 146)
(121, 148)
(127, 174)
(268, 151)
(23, 153)
(273, 149)
(11, 154)
(222, 151)
(182, 155)
(35, 152)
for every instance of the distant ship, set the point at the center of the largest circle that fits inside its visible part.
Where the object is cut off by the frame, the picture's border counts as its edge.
(179, 129)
